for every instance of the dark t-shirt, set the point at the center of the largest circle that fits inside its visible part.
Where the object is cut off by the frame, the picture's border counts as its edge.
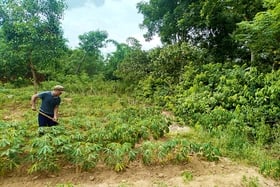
(49, 102)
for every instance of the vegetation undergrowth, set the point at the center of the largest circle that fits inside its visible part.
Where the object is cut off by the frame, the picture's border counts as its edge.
(233, 145)
(233, 107)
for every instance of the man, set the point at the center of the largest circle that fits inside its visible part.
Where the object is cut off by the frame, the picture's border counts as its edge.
(48, 112)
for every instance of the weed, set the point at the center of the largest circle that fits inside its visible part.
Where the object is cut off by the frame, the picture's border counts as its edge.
(160, 184)
(250, 182)
(187, 176)
(124, 183)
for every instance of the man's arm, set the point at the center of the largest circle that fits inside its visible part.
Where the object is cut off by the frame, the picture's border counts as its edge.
(33, 101)
(55, 111)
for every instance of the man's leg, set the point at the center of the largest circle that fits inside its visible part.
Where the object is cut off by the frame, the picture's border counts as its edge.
(43, 123)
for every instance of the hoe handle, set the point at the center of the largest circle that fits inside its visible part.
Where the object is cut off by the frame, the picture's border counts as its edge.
(47, 116)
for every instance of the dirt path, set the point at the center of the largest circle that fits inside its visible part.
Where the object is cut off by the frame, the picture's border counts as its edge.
(205, 174)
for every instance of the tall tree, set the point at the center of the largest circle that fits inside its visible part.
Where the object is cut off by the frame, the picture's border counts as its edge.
(160, 18)
(135, 63)
(32, 31)
(205, 23)
(262, 35)
(91, 42)
(221, 18)
(114, 59)
(90, 45)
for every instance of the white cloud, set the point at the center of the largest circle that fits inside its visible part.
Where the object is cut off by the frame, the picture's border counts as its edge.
(118, 17)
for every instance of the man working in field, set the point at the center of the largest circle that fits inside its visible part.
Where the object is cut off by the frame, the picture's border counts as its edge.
(48, 112)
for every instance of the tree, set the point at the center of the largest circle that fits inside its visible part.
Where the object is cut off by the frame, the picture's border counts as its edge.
(32, 32)
(5, 70)
(160, 18)
(262, 35)
(114, 59)
(169, 63)
(207, 24)
(88, 58)
(90, 45)
(92, 41)
(134, 64)
(221, 18)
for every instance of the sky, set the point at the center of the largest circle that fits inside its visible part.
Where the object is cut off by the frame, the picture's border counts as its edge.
(119, 18)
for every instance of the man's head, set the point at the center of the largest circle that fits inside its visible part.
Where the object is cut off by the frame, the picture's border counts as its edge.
(58, 89)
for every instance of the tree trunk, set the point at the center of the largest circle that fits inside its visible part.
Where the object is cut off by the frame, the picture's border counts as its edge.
(80, 64)
(252, 57)
(35, 82)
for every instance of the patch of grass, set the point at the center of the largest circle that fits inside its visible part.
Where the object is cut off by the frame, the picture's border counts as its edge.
(125, 183)
(187, 176)
(68, 184)
(235, 145)
(250, 182)
(160, 184)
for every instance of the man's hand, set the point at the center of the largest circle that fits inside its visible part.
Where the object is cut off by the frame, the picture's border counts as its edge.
(55, 119)
(33, 107)
(33, 101)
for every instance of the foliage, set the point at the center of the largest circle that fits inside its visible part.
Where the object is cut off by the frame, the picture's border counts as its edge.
(250, 182)
(33, 36)
(114, 59)
(261, 35)
(42, 155)
(118, 155)
(217, 96)
(92, 41)
(207, 24)
(90, 59)
(271, 168)
(85, 155)
(235, 104)
(172, 59)
(78, 62)
(187, 176)
(69, 184)
(11, 144)
(176, 151)
(166, 67)
(133, 67)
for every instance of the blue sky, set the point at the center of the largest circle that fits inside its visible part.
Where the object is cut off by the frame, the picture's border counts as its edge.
(119, 18)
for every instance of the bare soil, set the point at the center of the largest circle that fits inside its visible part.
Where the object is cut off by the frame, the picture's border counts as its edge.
(224, 173)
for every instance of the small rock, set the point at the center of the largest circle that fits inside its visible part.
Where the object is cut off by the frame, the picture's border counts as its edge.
(160, 175)
(92, 178)
(10, 96)
(52, 176)
(36, 177)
